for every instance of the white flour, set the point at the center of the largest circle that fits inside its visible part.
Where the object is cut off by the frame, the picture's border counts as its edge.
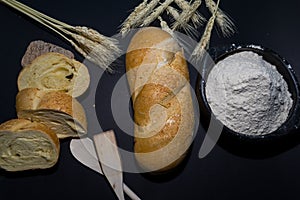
(248, 94)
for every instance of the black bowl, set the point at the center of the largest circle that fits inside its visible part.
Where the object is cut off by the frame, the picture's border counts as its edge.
(285, 137)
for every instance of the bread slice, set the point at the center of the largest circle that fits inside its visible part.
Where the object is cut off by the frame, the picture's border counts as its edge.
(55, 71)
(27, 145)
(58, 110)
(39, 47)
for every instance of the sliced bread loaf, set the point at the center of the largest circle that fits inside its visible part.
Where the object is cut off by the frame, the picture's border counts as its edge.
(58, 110)
(39, 47)
(55, 71)
(27, 145)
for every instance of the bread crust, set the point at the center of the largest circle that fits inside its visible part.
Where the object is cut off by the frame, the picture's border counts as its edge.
(158, 78)
(39, 47)
(51, 102)
(55, 72)
(15, 127)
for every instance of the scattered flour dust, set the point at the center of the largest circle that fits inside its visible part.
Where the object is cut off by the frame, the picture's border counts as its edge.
(248, 94)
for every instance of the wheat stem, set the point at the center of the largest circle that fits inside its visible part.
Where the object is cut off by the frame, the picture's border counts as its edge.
(33, 16)
(225, 24)
(164, 26)
(200, 48)
(37, 13)
(94, 36)
(92, 45)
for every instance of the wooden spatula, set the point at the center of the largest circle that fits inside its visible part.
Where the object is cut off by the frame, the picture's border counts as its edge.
(108, 154)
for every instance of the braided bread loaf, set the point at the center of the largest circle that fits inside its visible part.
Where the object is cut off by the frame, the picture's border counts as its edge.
(158, 78)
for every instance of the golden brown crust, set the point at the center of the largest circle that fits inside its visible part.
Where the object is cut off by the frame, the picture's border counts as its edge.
(158, 77)
(16, 125)
(149, 37)
(50, 102)
(18, 133)
(57, 101)
(165, 135)
(28, 99)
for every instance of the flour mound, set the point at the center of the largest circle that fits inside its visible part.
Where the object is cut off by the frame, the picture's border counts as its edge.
(248, 94)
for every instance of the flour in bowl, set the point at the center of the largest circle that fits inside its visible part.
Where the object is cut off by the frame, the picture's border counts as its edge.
(248, 94)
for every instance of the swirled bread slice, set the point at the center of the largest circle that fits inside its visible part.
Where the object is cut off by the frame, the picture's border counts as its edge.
(27, 145)
(54, 71)
(58, 110)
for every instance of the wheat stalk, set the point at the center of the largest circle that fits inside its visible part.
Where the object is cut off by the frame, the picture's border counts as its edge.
(200, 48)
(95, 47)
(186, 15)
(145, 12)
(156, 13)
(164, 26)
(139, 14)
(175, 14)
(132, 18)
(225, 24)
(195, 16)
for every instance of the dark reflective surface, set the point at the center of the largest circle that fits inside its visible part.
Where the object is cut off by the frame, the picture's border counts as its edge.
(222, 174)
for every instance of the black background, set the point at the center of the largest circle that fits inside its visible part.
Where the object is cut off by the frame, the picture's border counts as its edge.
(220, 175)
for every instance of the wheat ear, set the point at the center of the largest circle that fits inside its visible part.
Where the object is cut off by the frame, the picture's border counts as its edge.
(173, 12)
(157, 12)
(200, 48)
(135, 19)
(224, 23)
(185, 16)
(196, 17)
(175, 15)
(95, 47)
(132, 18)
